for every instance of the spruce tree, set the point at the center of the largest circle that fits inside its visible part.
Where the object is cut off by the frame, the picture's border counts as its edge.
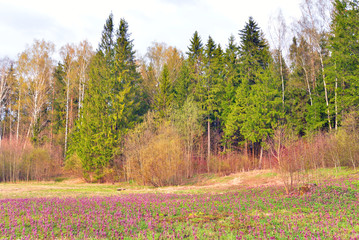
(255, 112)
(128, 78)
(182, 87)
(195, 60)
(343, 45)
(230, 84)
(110, 102)
(208, 88)
(195, 50)
(165, 94)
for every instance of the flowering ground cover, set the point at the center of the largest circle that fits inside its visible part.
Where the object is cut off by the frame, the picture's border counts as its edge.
(331, 211)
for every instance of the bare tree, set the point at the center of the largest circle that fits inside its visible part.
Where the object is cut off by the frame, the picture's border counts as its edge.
(314, 26)
(35, 65)
(300, 56)
(5, 65)
(151, 66)
(278, 33)
(84, 55)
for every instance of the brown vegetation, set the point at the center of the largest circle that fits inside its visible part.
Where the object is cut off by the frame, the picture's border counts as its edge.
(306, 188)
(21, 161)
(154, 154)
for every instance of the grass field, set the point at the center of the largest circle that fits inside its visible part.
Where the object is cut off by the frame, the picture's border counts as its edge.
(249, 205)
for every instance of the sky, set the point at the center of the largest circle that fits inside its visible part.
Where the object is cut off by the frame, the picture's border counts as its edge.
(170, 21)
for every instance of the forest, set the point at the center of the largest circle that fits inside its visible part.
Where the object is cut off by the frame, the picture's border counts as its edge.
(107, 115)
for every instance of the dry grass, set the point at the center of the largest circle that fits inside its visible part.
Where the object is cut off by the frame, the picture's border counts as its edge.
(78, 188)
(203, 184)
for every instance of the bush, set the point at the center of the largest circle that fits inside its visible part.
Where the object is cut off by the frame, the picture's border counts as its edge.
(20, 161)
(295, 158)
(154, 154)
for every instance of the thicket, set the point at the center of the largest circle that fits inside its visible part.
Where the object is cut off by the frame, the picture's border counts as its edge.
(154, 153)
(21, 161)
(167, 116)
(295, 157)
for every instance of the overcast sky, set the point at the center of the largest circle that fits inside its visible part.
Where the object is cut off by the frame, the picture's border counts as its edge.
(169, 21)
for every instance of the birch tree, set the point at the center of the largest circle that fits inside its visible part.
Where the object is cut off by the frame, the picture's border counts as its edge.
(343, 45)
(5, 65)
(158, 55)
(84, 55)
(68, 54)
(314, 26)
(36, 66)
(278, 32)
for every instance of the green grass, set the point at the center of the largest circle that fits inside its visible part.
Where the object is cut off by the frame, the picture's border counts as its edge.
(44, 189)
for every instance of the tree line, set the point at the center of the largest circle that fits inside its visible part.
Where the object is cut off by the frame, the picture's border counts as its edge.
(106, 115)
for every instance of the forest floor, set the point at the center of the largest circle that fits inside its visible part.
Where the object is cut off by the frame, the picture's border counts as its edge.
(204, 183)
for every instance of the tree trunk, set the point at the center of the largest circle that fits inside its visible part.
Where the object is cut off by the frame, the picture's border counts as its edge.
(325, 92)
(3, 171)
(18, 117)
(52, 116)
(208, 144)
(1, 130)
(71, 115)
(67, 114)
(282, 78)
(261, 158)
(308, 85)
(79, 107)
(336, 100)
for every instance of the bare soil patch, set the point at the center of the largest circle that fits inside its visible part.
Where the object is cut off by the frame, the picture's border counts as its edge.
(234, 181)
(201, 184)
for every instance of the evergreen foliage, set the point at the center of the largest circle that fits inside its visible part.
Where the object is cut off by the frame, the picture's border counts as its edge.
(110, 104)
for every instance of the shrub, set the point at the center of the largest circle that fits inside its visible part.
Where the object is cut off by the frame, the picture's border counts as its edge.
(20, 161)
(154, 154)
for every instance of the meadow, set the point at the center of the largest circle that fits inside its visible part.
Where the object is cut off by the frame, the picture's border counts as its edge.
(214, 211)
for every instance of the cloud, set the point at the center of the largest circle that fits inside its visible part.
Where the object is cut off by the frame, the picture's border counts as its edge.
(22, 26)
(169, 21)
(26, 21)
(181, 3)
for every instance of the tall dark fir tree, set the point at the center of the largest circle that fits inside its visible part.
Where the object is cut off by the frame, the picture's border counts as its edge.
(110, 103)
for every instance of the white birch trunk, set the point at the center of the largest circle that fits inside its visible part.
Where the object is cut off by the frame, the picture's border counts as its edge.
(325, 91)
(67, 114)
(282, 78)
(18, 117)
(336, 103)
(209, 144)
(308, 85)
